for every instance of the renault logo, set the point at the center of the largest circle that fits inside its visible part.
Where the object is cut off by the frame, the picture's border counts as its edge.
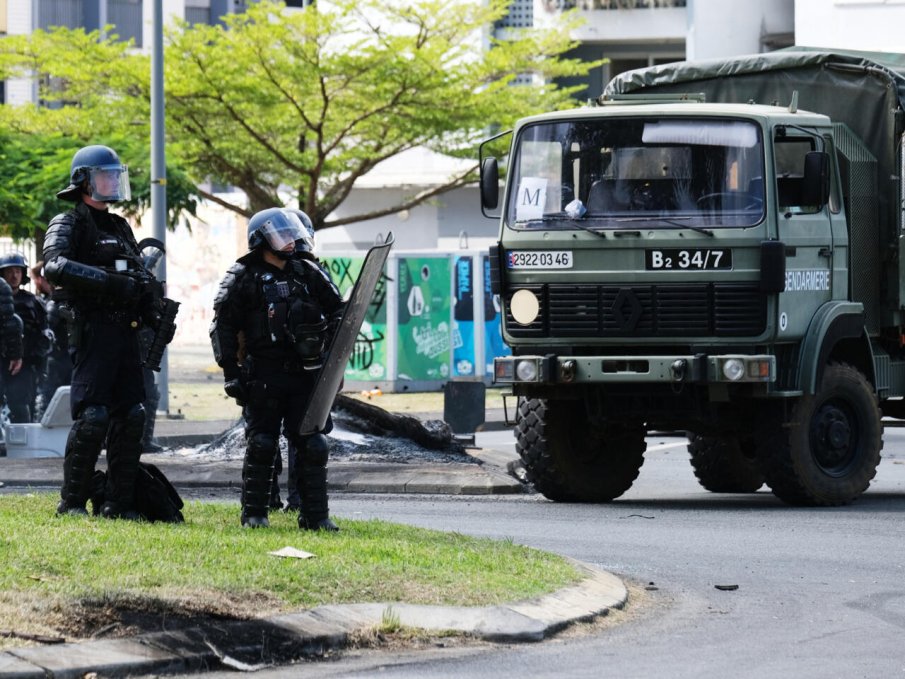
(626, 309)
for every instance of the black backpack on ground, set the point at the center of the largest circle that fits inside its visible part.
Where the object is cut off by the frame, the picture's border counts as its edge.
(155, 497)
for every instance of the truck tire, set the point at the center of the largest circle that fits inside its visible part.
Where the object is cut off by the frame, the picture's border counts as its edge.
(570, 459)
(827, 452)
(725, 464)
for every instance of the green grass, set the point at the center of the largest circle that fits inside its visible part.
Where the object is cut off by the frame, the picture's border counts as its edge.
(210, 565)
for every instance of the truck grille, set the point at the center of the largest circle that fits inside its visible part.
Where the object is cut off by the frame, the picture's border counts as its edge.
(706, 310)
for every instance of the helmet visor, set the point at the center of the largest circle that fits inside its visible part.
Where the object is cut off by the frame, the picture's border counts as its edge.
(281, 232)
(109, 183)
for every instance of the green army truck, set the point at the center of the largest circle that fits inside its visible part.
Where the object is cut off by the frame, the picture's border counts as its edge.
(713, 248)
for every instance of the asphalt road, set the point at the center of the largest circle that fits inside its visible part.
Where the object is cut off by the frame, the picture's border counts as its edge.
(821, 592)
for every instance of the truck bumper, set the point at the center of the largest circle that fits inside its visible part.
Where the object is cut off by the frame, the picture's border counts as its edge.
(695, 369)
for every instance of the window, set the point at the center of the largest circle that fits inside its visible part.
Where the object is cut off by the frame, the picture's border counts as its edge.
(126, 15)
(613, 172)
(788, 155)
(69, 13)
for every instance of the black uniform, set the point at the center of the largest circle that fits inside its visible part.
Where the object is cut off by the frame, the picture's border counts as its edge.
(92, 255)
(10, 332)
(21, 389)
(270, 329)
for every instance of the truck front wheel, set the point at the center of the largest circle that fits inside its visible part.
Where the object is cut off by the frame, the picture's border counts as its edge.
(828, 450)
(569, 458)
(725, 464)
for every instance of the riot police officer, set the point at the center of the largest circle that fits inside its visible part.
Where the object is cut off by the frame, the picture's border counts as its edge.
(21, 388)
(293, 501)
(10, 339)
(91, 255)
(273, 317)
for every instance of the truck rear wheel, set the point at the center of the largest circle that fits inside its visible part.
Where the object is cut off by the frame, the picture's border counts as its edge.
(568, 458)
(828, 451)
(725, 464)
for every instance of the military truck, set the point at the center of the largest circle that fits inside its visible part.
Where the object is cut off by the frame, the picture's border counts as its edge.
(715, 249)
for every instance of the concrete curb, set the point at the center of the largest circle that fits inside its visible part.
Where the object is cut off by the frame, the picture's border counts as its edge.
(244, 645)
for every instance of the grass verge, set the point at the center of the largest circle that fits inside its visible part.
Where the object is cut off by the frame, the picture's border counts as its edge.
(76, 577)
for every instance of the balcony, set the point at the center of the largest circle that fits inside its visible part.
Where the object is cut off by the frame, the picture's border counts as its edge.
(591, 5)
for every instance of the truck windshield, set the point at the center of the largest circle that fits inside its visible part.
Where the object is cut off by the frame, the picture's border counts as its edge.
(625, 172)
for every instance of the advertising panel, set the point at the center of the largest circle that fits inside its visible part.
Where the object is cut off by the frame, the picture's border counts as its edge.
(424, 318)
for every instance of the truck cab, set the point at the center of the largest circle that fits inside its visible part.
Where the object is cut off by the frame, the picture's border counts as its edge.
(667, 262)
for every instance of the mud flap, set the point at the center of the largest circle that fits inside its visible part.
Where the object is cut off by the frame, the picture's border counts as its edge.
(334, 368)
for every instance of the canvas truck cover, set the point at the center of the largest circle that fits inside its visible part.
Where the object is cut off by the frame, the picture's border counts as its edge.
(864, 90)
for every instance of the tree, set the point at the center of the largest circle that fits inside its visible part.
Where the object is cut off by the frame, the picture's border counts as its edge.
(81, 82)
(36, 166)
(314, 99)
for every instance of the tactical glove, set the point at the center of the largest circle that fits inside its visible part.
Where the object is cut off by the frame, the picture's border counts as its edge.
(235, 389)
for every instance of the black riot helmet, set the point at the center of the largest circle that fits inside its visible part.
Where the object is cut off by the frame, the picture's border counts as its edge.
(15, 259)
(306, 242)
(276, 229)
(97, 172)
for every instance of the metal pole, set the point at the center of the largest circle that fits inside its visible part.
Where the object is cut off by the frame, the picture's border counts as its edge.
(159, 176)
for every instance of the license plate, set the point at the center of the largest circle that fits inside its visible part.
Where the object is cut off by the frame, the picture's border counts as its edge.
(537, 259)
(695, 259)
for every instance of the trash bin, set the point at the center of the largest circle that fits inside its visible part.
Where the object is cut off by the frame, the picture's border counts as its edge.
(463, 405)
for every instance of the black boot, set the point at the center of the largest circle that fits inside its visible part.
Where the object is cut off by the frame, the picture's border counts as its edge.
(123, 454)
(257, 477)
(82, 449)
(324, 524)
(312, 484)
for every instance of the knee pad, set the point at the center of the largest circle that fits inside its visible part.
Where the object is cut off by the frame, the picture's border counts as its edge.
(128, 427)
(135, 414)
(317, 450)
(262, 448)
(91, 425)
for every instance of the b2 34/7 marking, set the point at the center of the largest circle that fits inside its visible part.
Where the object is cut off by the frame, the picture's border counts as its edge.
(692, 259)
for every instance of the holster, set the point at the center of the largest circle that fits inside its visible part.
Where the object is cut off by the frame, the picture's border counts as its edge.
(75, 326)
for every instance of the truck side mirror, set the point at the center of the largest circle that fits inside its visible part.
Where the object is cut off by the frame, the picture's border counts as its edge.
(490, 184)
(815, 189)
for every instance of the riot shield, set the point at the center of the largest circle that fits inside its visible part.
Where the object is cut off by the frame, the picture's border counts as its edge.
(331, 373)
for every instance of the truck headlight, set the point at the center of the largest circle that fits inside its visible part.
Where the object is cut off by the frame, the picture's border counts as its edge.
(524, 306)
(734, 369)
(526, 371)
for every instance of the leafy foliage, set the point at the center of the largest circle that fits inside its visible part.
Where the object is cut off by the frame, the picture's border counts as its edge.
(306, 101)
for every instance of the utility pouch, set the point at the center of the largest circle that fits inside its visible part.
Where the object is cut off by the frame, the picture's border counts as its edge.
(276, 294)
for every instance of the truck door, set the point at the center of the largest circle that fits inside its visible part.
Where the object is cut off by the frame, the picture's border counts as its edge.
(807, 233)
